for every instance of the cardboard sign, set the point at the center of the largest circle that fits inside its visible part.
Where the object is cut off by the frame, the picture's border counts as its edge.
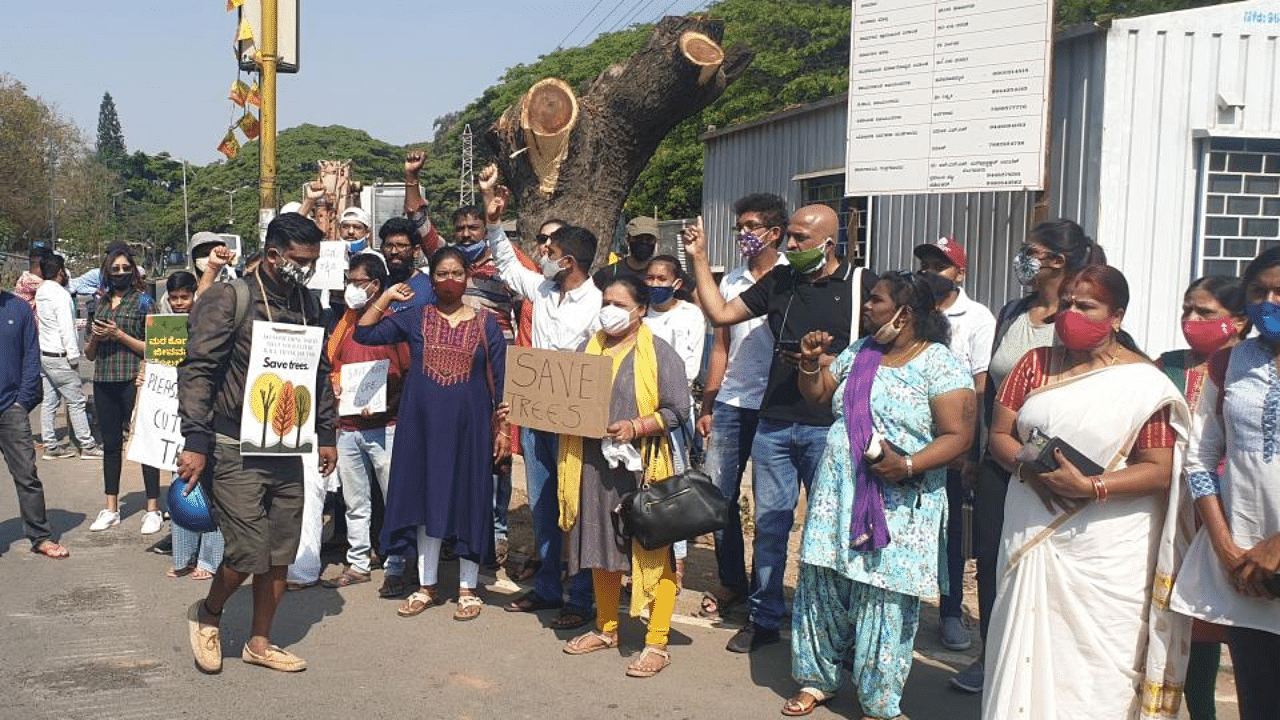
(560, 392)
(278, 413)
(156, 437)
(331, 266)
(364, 387)
(166, 339)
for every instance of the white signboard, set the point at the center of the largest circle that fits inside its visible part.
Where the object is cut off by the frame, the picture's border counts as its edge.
(948, 96)
(156, 436)
(331, 266)
(364, 387)
(278, 414)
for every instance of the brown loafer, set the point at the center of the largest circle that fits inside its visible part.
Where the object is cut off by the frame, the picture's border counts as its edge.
(206, 647)
(274, 658)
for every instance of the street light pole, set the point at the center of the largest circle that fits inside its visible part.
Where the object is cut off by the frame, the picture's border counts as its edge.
(231, 197)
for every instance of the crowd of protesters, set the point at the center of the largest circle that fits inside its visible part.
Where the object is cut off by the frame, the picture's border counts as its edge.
(1116, 499)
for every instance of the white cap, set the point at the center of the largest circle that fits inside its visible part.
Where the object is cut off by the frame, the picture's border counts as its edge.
(289, 207)
(357, 214)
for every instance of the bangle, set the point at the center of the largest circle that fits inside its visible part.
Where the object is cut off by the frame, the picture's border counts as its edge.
(1099, 488)
(814, 371)
(911, 470)
(635, 428)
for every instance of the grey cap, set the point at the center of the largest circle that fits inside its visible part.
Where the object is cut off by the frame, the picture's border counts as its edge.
(204, 238)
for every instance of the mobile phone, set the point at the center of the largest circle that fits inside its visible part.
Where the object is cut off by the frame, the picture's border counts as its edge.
(787, 346)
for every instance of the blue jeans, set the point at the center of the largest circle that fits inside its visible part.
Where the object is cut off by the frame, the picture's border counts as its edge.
(732, 431)
(785, 455)
(541, 454)
(359, 453)
(953, 594)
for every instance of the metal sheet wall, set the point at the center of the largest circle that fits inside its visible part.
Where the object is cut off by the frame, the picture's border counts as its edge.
(1165, 75)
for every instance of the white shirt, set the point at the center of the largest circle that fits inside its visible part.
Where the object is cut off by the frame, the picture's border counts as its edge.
(750, 347)
(56, 321)
(561, 321)
(685, 330)
(973, 328)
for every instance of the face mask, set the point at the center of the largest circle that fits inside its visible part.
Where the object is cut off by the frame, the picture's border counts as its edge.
(642, 251)
(807, 261)
(1207, 336)
(292, 272)
(1079, 333)
(202, 264)
(120, 281)
(888, 332)
(551, 268)
(355, 246)
(356, 297)
(474, 251)
(449, 290)
(1025, 268)
(614, 320)
(750, 244)
(1265, 317)
(661, 294)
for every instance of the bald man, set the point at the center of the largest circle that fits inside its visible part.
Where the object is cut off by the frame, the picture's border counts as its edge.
(815, 289)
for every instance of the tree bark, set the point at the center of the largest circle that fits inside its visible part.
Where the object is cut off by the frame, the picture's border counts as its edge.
(575, 156)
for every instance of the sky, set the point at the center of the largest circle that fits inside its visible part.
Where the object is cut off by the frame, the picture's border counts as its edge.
(384, 66)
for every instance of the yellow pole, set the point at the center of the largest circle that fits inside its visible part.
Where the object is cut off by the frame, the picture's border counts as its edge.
(267, 151)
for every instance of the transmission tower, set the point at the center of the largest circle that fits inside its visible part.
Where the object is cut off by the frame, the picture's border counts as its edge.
(466, 184)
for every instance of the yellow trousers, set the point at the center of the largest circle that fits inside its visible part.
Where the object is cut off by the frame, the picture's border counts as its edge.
(608, 589)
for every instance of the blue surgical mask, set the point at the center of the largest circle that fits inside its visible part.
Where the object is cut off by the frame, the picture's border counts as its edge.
(660, 294)
(474, 251)
(1266, 318)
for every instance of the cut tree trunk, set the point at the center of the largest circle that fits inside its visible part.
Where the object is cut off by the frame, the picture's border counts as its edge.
(575, 156)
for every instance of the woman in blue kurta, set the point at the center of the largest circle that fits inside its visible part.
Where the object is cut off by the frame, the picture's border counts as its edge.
(447, 437)
(874, 530)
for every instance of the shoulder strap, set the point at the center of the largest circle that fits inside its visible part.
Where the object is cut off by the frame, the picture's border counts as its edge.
(855, 312)
(243, 299)
(486, 318)
(1011, 310)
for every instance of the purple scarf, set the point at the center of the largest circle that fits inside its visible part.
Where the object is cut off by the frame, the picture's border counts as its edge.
(868, 529)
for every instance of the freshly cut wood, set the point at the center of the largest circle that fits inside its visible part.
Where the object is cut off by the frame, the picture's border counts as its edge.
(576, 154)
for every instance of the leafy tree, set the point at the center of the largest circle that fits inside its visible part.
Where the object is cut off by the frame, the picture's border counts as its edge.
(110, 148)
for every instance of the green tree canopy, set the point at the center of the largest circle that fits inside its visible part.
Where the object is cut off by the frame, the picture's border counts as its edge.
(110, 148)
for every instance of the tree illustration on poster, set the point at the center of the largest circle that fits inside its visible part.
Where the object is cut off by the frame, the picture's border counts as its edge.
(284, 417)
(302, 411)
(266, 391)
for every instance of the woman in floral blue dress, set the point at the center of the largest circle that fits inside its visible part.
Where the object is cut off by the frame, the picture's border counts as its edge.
(874, 530)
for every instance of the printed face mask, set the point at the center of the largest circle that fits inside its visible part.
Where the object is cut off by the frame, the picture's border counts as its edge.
(751, 244)
(614, 320)
(294, 273)
(888, 332)
(1025, 268)
(1265, 317)
(1207, 336)
(1079, 333)
(356, 297)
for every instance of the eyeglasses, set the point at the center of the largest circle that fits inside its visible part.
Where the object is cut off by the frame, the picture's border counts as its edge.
(395, 247)
(750, 227)
(541, 238)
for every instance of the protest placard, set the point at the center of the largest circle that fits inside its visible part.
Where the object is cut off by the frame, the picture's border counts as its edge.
(364, 387)
(560, 392)
(278, 413)
(331, 266)
(156, 436)
(166, 339)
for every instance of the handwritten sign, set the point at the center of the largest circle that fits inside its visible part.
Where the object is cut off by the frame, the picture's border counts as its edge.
(364, 387)
(156, 437)
(279, 408)
(331, 266)
(166, 339)
(560, 392)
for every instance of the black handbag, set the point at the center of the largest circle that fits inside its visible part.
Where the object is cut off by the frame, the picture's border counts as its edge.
(683, 506)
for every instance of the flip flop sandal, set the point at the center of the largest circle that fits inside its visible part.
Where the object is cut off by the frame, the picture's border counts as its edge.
(715, 606)
(531, 602)
(572, 617)
(590, 642)
(645, 666)
(347, 578)
(201, 574)
(180, 572)
(417, 602)
(469, 607)
(527, 570)
(805, 702)
(51, 549)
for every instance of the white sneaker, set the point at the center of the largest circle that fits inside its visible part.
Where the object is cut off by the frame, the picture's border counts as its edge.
(106, 519)
(152, 522)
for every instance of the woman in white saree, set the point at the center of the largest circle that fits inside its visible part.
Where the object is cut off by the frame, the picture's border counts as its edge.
(1074, 632)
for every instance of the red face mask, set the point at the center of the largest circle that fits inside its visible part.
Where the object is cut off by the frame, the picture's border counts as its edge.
(1079, 333)
(1206, 336)
(449, 290)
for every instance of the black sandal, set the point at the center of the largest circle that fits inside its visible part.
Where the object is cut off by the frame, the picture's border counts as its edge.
(531, 602)
(572, 617)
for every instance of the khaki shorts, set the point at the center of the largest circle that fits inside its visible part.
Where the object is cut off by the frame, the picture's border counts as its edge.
(257, 502)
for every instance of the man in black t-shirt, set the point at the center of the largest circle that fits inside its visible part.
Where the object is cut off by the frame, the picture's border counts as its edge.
(817, 290)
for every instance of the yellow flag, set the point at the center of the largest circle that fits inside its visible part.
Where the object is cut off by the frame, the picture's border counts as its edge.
(229, 145)
(255, 97)
(249, 126)
(233, 4)
(246, 32)
(239, 92)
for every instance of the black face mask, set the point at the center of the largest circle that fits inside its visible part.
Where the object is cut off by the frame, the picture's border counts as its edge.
(399, 273)
(642, 251)
(120, 281)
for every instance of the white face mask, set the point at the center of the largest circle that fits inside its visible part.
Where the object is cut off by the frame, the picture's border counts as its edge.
(356, 297)
(202, 265)
(888, 332)
(551, 268)
(614, 320)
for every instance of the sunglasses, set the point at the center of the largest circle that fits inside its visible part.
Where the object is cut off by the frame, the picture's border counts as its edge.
(541, 238)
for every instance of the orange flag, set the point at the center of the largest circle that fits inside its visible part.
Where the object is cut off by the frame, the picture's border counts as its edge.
(255, 96)
(229, 145)
(249, 126)
(233, 4)
(239, 92)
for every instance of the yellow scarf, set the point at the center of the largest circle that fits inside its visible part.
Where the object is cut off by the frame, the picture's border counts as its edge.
(647, 566)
